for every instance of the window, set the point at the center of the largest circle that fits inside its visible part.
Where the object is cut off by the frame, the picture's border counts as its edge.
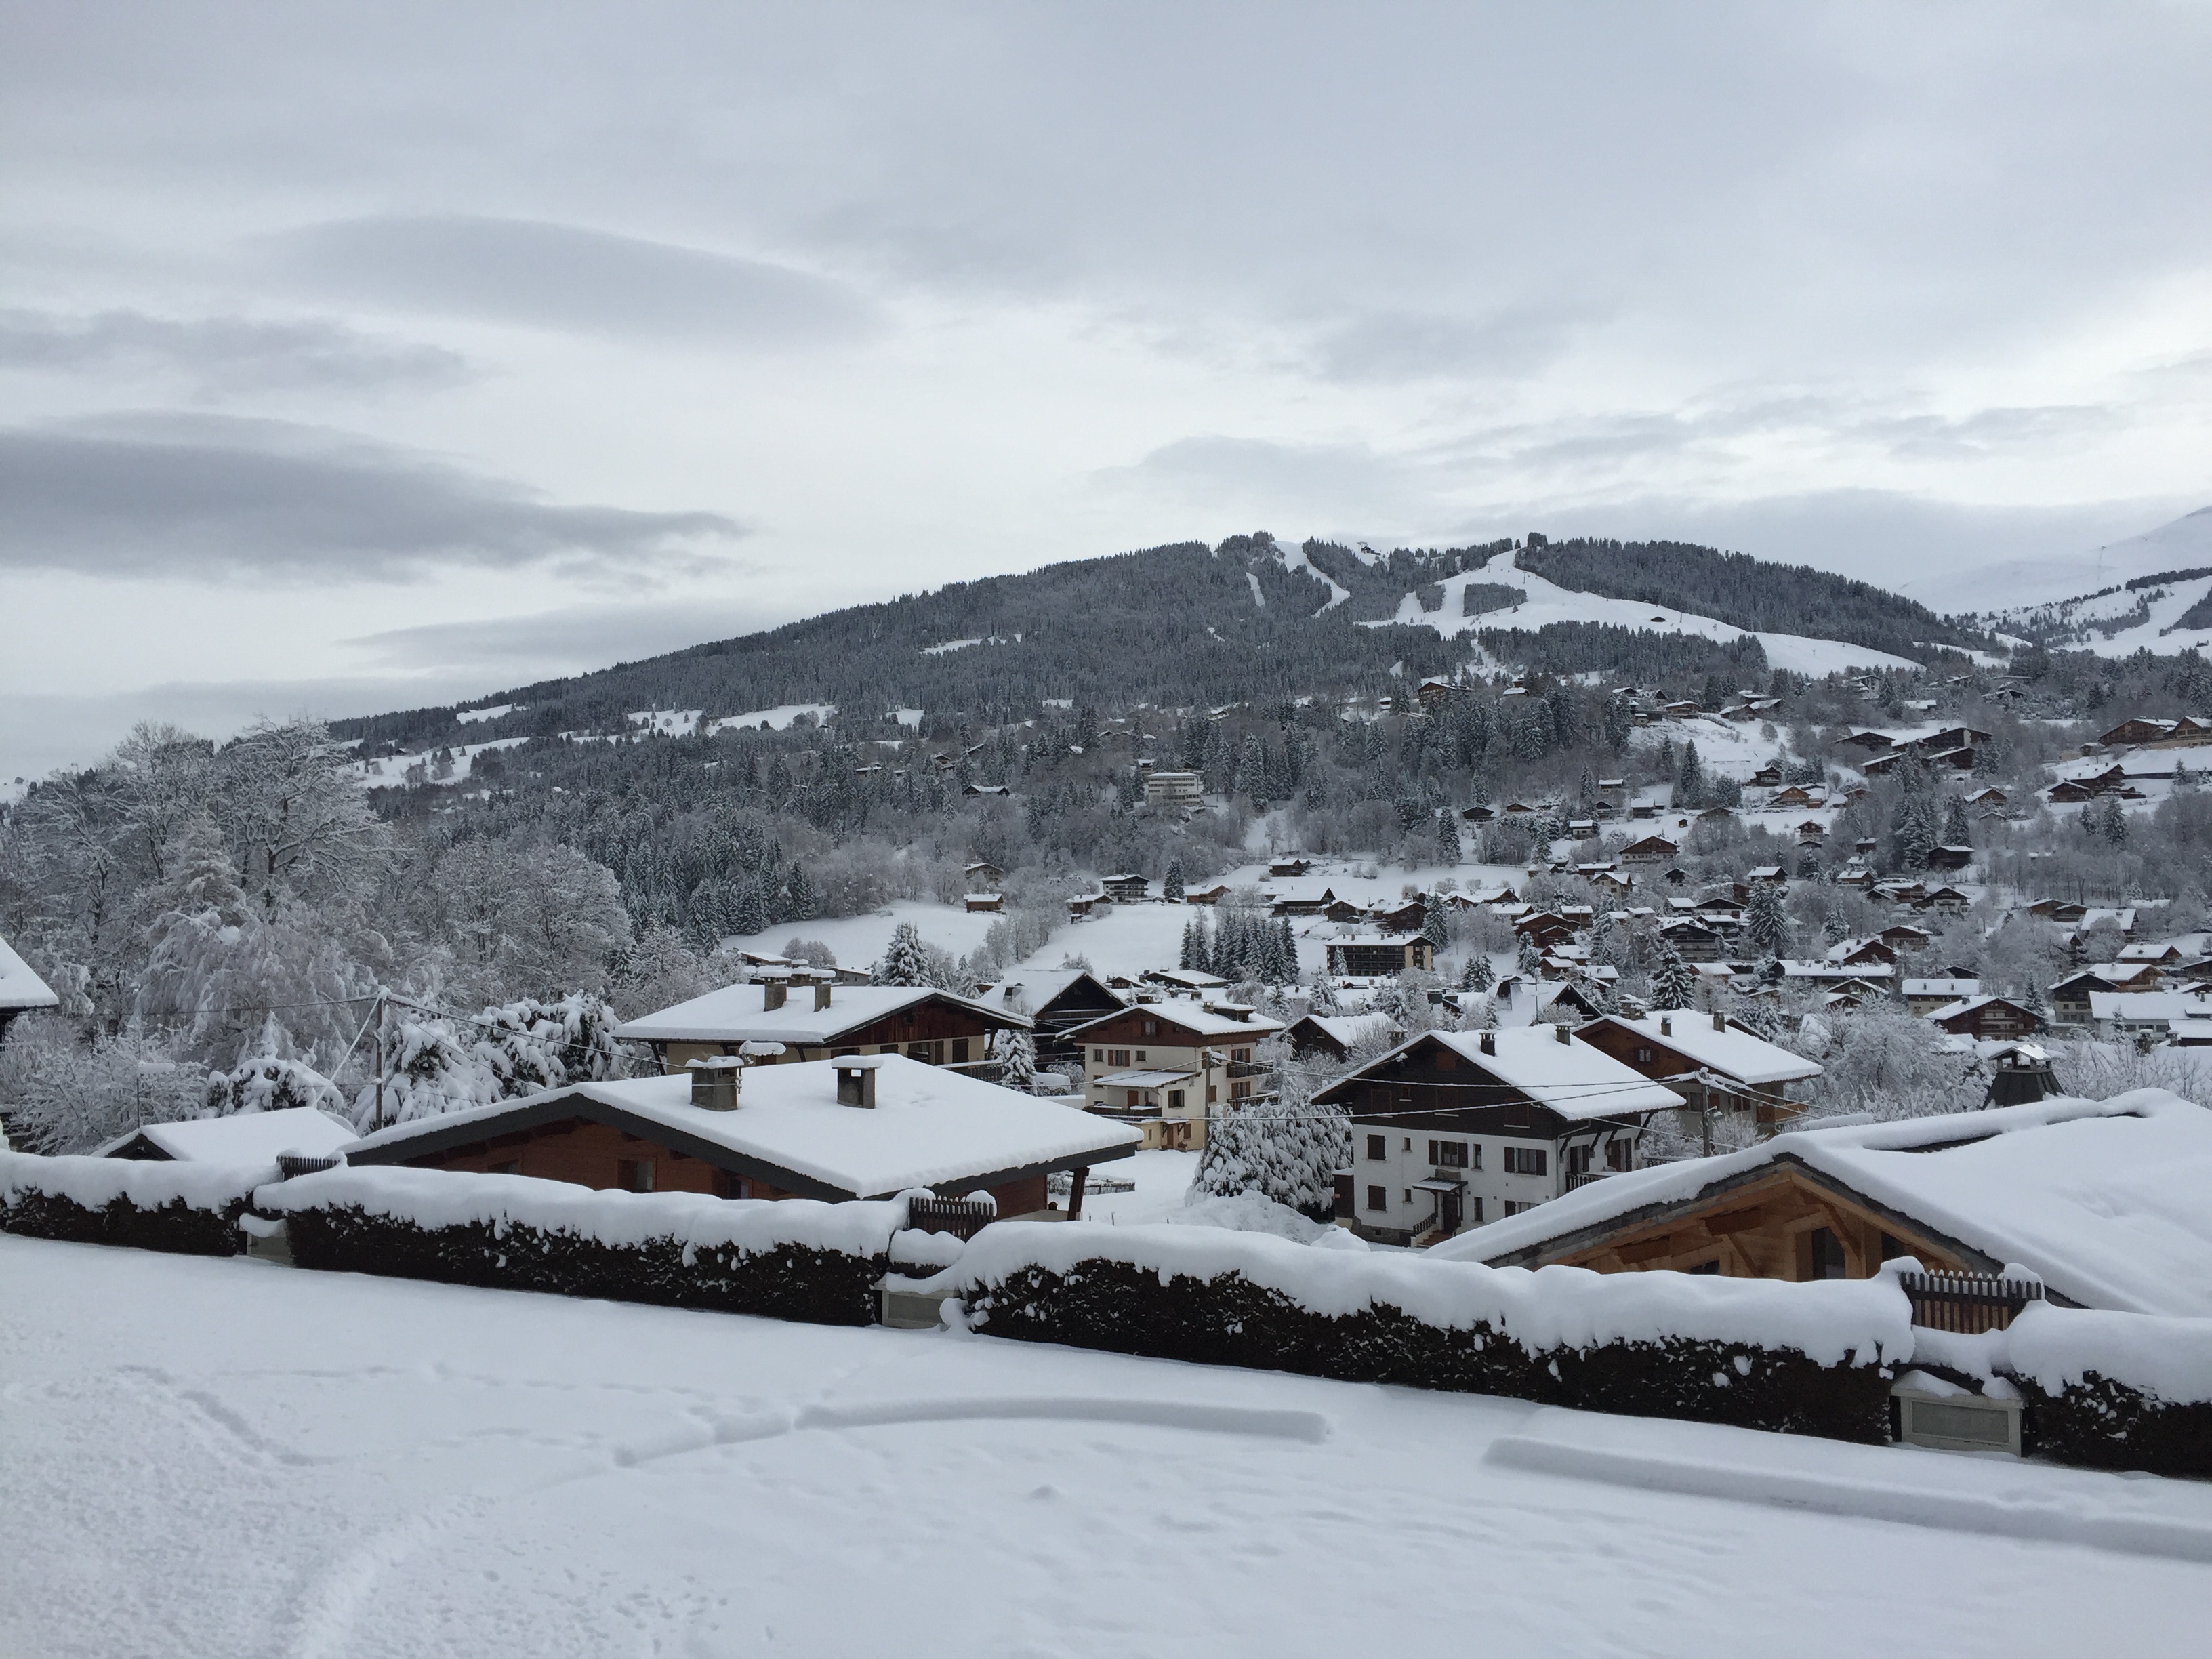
(1474, 1206)
(960, 1051)
(1175, 1100)
(1828, 1254)
(1894, 1248)
(634, 1175)
(1240, 1054)
(1516, 1114)
(1408, 1146)
(1241, 1091)
(1643, 1056)
(1526, 1160)
(513, 1166)
(1379, 1198)
(1447, 1154)
(1140, 1057)
(1151, 1028)
(1099, 1055)
(1212, 1094)
(1579, 1160)
(1617, 1153)
(1117, 1057)
(1517, 1206)
(1374, 1148)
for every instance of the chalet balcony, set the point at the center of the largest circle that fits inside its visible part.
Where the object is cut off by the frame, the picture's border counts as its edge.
(1586, 1177)
(1240, 1068)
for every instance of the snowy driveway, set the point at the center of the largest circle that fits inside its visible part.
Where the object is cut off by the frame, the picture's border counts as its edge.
(229, 1458)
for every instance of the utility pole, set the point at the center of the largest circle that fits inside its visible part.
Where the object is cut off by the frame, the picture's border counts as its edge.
(379, 1057)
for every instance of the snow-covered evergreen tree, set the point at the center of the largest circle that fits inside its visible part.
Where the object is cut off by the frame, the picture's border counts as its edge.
(1016, 1051)
(1675, 986)
(906, 962)
(1436, 921)
(271, 1085)
(1450, 848)
(1766, 925)
(1286, 1148)
(1171, 885)
(1477, 975)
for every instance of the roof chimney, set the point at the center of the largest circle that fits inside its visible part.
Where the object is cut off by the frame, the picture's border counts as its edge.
(716, 1081)
(772, 992)
(1562, 1030)
(1720, 1020)
(1666, 1025)
(856, 1080)
(821, 994)
(1489, 1042)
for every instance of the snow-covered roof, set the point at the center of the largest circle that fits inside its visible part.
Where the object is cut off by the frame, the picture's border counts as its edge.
(1352, 1030)
(930, 1124)
(2103, 1199)
(738, 1013)
(1034, 988)
(1572, 1079)
(20, 989)
(244, 1138)
(1953, 989)
(1733, 1052)
(2139, 1007)
(1194, 1017)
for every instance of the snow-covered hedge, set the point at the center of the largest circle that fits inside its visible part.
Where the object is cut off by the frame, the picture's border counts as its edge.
(1759, 1353)
(787, 1259)
(191, 1209)
(2109, 1390)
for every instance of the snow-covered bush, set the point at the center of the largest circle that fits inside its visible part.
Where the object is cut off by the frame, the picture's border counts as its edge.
(270, 1084)
(1016, 1051)
(1286, 1148)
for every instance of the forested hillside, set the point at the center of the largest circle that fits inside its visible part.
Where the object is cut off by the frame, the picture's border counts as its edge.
(1746, 593)
(1174, 625)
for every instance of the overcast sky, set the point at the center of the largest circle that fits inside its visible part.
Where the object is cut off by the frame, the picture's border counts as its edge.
(354, 358)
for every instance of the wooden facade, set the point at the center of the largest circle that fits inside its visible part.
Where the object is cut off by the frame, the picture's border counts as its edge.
(1780, 1221)
(938, 1030)
(1765, 1102)
(590, 1145)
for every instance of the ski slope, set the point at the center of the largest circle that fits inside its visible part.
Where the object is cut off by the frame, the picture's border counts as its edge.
(2022, 583)
(1547, 602)
(229, 1457)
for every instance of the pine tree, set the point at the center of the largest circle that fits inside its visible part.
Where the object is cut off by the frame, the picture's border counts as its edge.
(1016, 1051)
(1171, 887)
(1290, 952)
(1675, 986)
(1476, 975)
(1436, 921)
(1286, 1149)
(799, 895)
(1188, 959)
(1450, 849)
(1532, 959)
(1689, 780)
(907, 961)
(1956, 830)
(1765, 924)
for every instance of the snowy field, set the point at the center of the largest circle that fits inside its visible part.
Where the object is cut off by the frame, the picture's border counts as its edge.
(238, 1459)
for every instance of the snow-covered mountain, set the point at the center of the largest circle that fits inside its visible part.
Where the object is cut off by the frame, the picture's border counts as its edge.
(1547, 602)
(2151, 590)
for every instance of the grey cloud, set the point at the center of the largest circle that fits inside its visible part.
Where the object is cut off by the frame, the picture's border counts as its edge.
(520, 648)
(209, 495)
(1224, 474)
(1397, 345)
(570, 278)
(1987, 430)
(222, 355)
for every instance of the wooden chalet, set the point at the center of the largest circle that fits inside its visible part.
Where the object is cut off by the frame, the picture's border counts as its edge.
(2057, 1187)
(1454, 1129)
(1988, 1019)
(1159, 1065)
(1381, 955)
(1715, 1063)
(864, 1126)
(791, 1023)
(1335, 1037)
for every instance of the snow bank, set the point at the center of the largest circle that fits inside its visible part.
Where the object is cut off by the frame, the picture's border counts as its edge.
(435, 1198)
(94, 1183)
(1836, 1322)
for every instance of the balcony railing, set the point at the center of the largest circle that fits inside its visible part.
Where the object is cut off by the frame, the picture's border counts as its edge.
(1586, 1177)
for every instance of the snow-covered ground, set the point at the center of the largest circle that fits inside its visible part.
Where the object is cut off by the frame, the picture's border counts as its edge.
(859, 941)
(1163, 1181)
(234, 1458)
(777, 719)
(1547, 602)
(2183, 544)
(389, 770)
